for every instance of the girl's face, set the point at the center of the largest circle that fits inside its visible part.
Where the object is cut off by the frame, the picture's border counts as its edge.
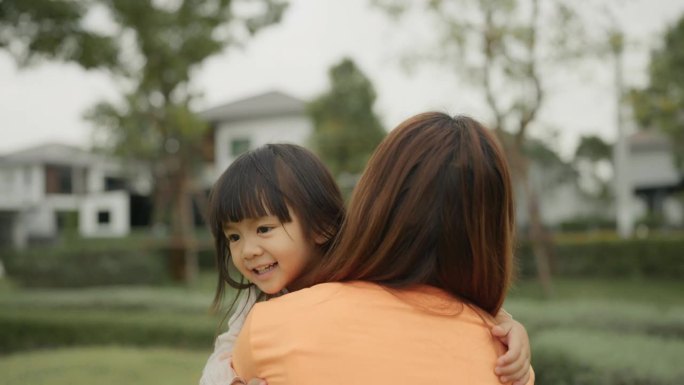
(267, 252)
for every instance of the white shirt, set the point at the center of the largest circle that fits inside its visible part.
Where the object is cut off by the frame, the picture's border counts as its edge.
(218, 370)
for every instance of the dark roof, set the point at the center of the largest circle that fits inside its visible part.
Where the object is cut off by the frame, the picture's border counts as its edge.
(53, 153)
(274, 103)
(647, 141)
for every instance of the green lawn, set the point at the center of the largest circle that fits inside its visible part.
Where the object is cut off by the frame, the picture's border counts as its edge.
(662, 292)
(103, 366)
(591, 332)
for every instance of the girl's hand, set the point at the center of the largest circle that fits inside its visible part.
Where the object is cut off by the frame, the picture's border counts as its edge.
(514, 365)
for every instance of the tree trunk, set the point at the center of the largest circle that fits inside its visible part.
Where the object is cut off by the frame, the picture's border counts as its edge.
(184, 261)
(540, 238)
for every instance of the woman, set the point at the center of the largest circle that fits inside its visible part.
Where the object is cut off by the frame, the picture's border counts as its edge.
(421, 265)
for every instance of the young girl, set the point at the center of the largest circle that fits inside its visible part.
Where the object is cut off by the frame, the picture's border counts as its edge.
(274, 214)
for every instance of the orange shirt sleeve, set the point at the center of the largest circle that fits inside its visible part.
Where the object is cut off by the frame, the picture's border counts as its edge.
(243, 359)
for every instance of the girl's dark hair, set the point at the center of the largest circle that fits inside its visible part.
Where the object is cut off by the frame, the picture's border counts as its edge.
(434, 206)
(268, 181)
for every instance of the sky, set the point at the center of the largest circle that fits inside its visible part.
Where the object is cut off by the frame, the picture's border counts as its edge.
(46, 102)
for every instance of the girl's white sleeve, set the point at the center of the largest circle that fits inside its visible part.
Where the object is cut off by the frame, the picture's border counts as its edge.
(218, 370)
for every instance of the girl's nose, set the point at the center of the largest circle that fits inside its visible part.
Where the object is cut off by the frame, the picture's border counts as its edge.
(251, 249)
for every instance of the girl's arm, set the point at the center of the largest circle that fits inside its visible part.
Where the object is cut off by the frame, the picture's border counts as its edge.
(218, 370)
(514, 366)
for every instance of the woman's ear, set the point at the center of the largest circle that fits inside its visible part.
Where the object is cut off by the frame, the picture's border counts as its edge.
(320, 239)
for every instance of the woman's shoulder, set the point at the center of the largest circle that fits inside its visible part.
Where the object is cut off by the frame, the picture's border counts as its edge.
(317, 296)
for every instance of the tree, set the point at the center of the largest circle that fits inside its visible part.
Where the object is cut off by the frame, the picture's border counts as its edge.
(346, 130)
(31, 30)
(153, 51)
(497, 45)
(660, 105)
(593, 160)
(162, 43)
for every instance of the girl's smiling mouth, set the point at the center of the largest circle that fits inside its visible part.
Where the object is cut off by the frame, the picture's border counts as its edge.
(265, 268)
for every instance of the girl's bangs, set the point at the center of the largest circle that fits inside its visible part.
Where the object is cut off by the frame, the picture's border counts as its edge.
(250, 194)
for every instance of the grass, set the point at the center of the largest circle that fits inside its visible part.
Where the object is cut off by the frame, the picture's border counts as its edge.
(604, 327)
(614, 357)
(662, 293)
(167, 316)
(195, 298)
(103, 366)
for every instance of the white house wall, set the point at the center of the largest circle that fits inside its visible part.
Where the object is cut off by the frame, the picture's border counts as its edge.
(117, 203)
(655, 168)
(36, 177)
(673, 211)
(260, 131)
(39, 221)
(20, 186)
(11, 180)
(95, 180)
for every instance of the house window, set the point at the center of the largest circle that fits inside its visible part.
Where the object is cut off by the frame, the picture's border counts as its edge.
(103, 217)
(114, 183)
(239, 145)
(58, 180)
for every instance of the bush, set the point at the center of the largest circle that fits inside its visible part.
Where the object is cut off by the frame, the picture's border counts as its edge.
(587, 223)
(24, 329)
(86, 264)
(639, 258)
(582, 357)
(648, 319)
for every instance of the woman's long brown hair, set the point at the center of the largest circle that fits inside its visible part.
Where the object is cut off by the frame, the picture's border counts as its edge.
(434, 206)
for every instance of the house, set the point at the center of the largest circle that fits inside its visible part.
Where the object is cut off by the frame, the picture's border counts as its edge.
(272, 117)
(54, 188)
(655, 178)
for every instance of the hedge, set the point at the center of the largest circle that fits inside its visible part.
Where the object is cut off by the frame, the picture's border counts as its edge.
(582, 357)
(25, 329)
(84, 265)
(661, 258)
(617, 316)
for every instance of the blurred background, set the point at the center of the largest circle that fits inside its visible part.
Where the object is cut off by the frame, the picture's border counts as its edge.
(118, 115)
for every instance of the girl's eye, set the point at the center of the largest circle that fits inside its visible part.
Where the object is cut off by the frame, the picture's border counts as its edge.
(233, 238)
(264, 229)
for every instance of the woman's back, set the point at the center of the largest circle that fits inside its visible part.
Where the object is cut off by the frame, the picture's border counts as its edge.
(349, 333)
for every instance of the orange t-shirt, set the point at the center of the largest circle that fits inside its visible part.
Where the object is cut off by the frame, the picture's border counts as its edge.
(363, 333)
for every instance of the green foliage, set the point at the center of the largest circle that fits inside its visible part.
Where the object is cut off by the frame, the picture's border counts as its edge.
(555, 170)
(594, 332)
(587, 223)
(603, 331)
(169, 315)
(32, 328)
(85, 265)
(593, 148)
(603, 311)
(154, 122)
(346, 130)
(588, 357)
(651, 257)
(35, 29)
(591, 153)
(660, 105)
(103, 366)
